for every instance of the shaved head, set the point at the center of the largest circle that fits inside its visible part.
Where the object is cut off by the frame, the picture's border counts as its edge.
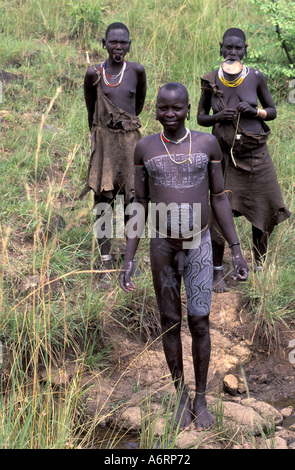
(236, 32)
(174, 86)
(116, 25)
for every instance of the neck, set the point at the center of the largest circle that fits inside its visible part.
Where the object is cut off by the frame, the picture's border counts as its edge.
(174, 136)
(230, 76)
(112, 64)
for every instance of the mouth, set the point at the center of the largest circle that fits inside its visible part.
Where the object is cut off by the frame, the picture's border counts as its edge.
(232, 57)
(170, 123)
(118, 56)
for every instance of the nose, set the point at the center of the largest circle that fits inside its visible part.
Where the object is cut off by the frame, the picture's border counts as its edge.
(170, 112)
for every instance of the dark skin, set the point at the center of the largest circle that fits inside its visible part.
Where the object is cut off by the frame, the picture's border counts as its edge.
(128, 95)
(244, 100)
(172, 110)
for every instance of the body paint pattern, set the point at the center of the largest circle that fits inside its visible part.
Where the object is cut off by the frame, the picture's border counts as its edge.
(164, 172)
(198, 278)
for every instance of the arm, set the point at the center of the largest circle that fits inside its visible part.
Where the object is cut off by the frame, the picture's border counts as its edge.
(265, 99)
(140, 89)
(268, 111)
(138, 210)
(207, 120)
(90, 93)
(223, 213)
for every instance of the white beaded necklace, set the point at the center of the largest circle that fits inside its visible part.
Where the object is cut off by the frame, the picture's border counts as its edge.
(113, 77)
(178, 142)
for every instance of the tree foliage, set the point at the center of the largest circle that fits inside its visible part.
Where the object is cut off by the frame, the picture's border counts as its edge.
(278, 67)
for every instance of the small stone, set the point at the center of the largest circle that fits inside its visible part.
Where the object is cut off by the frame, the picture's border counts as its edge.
(274, 443)
(231, 384)
(242, 386)
(286, 412)
(243, 417)
(270, 414)
(55, 377)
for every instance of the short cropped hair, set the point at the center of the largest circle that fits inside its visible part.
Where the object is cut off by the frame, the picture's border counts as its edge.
(116, 25)
(235, 32)
(175, 86)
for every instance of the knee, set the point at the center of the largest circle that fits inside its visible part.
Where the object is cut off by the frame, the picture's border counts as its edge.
(170, 325)
(199, 326)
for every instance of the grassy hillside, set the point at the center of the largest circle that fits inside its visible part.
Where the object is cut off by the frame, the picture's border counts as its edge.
(49, 297)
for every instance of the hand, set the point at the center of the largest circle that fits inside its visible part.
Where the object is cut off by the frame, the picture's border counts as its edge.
(125, 277)
(240, 266)
(246, 108)
(227, 114)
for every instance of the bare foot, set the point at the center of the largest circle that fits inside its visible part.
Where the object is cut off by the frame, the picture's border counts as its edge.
(105, 281)
(202, 417)
(105, 278)
(183, 415)
(219, 284)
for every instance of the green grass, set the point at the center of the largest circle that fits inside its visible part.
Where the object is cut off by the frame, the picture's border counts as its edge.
(44, 150)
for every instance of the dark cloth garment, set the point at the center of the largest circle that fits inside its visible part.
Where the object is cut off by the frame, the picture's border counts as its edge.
(249, 174)
(114, 135)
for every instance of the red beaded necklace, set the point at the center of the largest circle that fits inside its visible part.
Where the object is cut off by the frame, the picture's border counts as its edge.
(112, 77)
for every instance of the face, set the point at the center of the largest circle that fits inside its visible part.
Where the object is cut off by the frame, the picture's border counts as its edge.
(233, 48)
(172, 109)
(117, 44)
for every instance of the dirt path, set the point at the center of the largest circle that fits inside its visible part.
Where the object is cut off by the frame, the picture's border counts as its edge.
(138, 368)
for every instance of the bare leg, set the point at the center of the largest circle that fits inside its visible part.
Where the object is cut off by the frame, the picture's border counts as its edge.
(198, 283)
(219, 284)
(173, 352)
(260, 240)
(201, 350)
(167, 289)
(104, 208)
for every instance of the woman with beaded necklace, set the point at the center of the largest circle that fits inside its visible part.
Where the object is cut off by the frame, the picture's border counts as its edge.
(115, 93)
(232, 92)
